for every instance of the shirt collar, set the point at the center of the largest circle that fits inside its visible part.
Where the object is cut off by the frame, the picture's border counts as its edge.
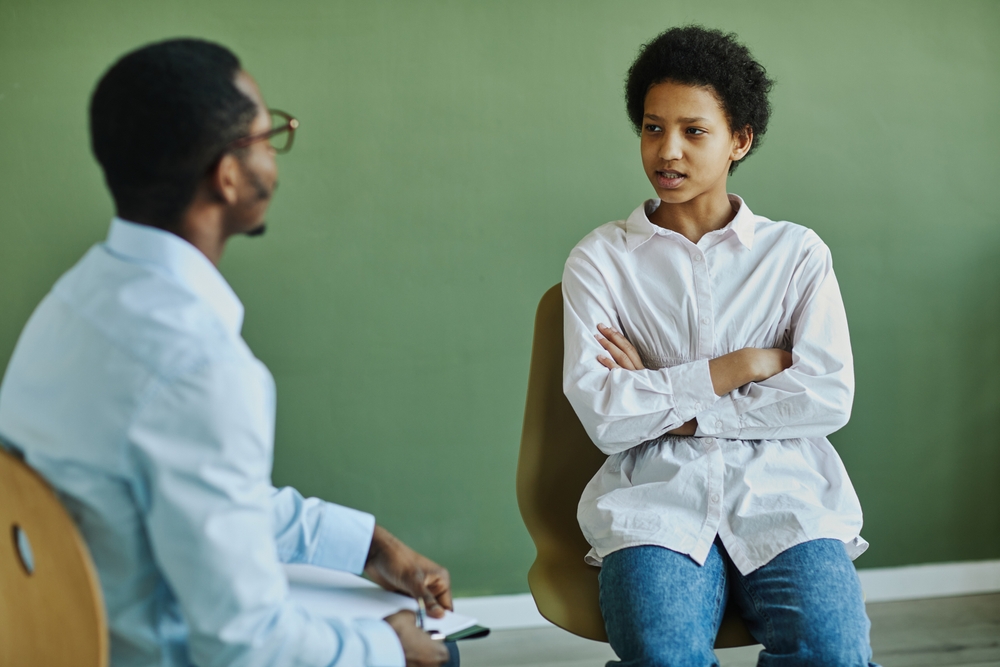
(638, 228)
(171, 255)
(743, 224)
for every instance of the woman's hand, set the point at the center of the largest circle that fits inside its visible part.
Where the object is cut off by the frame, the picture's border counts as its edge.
(751, 364)
(623, 354)
(728, 371)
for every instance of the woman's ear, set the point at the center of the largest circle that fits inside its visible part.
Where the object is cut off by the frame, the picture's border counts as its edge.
(742, 141)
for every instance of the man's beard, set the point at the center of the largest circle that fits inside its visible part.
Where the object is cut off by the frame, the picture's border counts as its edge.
(262, 194)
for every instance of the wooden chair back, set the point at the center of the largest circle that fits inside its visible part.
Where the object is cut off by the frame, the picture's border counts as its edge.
(556, 461)
(51, 608)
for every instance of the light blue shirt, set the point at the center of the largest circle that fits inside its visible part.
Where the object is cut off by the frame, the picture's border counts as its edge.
(133, 393)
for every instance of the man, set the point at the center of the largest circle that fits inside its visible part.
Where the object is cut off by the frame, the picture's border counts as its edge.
(133, 393)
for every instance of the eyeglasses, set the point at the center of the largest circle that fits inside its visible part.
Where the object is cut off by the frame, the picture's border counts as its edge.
(281, 134)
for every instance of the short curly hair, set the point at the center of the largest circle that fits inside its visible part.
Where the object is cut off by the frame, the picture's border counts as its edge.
(699, 56)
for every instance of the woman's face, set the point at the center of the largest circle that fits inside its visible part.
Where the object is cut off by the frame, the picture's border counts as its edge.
(687, 145)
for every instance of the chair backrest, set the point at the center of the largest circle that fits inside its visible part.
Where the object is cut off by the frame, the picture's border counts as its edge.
(51, 609)
(556, 461)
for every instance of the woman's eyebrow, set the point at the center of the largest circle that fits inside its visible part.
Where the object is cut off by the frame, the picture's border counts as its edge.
(695, 119)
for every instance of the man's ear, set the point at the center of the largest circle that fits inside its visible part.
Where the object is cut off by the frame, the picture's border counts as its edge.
(742, 141)
(225, 179)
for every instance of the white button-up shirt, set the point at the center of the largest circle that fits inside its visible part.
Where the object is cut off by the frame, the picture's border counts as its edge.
(760, 472)
(133, 393)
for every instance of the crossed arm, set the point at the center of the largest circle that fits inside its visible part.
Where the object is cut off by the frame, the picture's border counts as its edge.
(749, 394)
(729, 372)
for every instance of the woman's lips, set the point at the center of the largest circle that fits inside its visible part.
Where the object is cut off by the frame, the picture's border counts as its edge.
(669, 180)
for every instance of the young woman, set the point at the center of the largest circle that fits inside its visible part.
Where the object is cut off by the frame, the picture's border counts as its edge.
(707, 354)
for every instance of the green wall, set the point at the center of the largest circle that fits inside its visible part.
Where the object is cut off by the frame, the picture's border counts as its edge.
(451, 154)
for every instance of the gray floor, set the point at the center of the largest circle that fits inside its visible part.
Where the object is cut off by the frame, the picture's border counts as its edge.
(918, 633)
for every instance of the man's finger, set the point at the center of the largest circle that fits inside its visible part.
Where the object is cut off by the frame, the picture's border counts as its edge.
(408, 616)
(442, 593)
(437, 594)
(434, 608)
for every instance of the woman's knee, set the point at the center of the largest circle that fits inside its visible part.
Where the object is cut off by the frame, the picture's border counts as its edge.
(844, 651)
(809, 601)
(661, 608)
(829, 636)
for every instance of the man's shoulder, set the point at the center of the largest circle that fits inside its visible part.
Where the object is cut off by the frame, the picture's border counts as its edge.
(143, 312)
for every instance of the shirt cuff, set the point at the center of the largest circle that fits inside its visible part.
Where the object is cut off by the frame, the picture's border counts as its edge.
(721, 420)
(382, 647)
(344, 539)
(692, 387)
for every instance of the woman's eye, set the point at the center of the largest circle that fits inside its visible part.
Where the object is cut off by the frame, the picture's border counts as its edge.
(652, 128)
(695, 131)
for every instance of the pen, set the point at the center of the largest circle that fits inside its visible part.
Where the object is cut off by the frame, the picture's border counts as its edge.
(421, 613)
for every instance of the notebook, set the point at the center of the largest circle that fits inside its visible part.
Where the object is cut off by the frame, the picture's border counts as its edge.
(333, 594)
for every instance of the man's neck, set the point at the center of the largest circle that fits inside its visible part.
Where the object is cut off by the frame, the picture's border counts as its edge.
(201, 228)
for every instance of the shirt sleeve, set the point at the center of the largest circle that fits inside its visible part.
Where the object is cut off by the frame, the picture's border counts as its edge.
(813, 397)
(203, 444)
(316, 532)
(620, 408)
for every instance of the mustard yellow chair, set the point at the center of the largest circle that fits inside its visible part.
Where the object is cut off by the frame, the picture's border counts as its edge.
(556, 461)
(51, 609)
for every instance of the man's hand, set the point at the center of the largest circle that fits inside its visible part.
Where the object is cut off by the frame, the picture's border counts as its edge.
(418, 647)
(623, 354)
(396, 567)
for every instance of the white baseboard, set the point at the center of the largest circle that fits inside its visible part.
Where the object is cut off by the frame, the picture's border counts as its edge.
(883, 584)
(502, 612)
(936, 580)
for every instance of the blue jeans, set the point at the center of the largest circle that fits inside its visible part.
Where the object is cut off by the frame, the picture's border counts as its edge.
(805, 607)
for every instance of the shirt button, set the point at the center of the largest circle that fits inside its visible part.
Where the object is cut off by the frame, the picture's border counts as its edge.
(709, 441)
(704, 320)
(697, 258)
(697, 406)
(715, 497)
(718, 425)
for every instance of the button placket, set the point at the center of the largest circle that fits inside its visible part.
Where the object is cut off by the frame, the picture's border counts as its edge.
(716, 472)
(704, 301)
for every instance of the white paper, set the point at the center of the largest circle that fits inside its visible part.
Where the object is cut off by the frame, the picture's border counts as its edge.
(333, 594)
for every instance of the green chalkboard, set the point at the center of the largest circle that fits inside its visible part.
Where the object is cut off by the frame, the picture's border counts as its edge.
(451, 154)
